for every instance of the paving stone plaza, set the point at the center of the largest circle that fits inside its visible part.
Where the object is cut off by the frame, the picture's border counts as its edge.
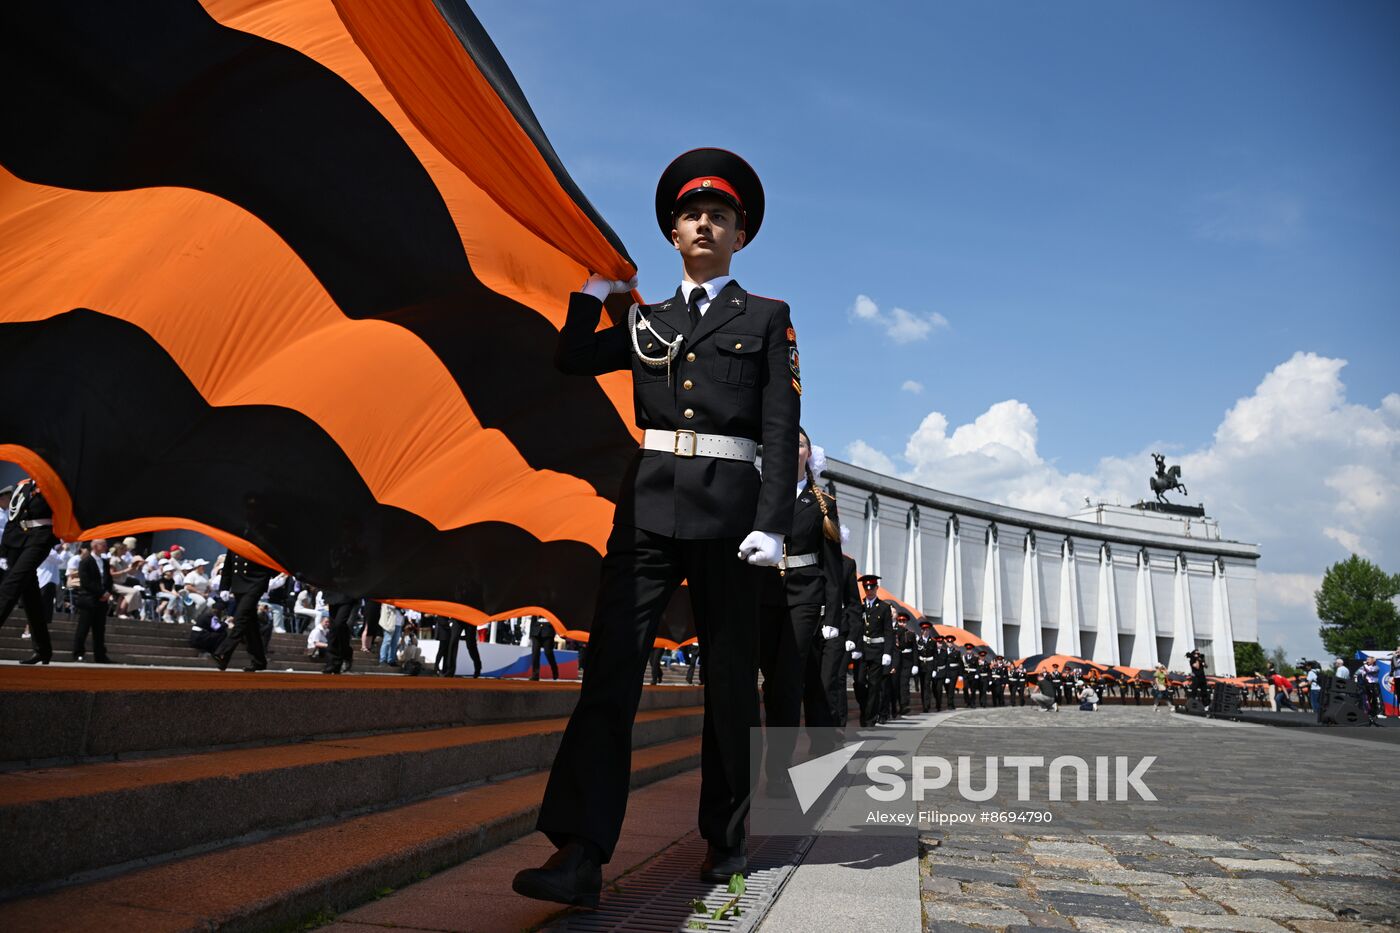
(1308, 842)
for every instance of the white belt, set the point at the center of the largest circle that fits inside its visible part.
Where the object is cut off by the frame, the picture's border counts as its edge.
(691, 444)
(906, 650)
(36, 523)
(798, 560)
(874, 641)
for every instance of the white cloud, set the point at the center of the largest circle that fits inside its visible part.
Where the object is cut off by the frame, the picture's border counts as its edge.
(1293, 467)
(1244, 216)
(911, 386)
(899, 324)
(1347, 539)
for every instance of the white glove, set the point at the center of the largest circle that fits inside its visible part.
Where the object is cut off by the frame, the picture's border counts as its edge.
(914, 669)
(855, 655)
(600, 288)
(884, 660)
(829, 632)
(762, 549)
(850, 645)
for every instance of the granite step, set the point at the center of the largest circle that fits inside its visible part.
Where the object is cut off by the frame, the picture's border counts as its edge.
(65, 714)
(311, 874)
(61, 822)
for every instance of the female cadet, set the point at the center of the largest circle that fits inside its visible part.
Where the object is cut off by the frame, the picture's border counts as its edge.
(799, 621)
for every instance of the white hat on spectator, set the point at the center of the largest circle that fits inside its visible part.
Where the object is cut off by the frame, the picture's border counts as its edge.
(129, 542)
(187, 565)
(199, 562)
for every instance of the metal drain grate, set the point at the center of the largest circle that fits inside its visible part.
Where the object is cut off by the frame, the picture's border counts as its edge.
(657, 897)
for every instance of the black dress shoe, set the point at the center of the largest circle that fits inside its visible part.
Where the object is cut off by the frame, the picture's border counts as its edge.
(77, 659)
(222, 660)
(331, 668)
(723, 862)
(102, 659)
(253, 667)
(573, 875)
(37, 658)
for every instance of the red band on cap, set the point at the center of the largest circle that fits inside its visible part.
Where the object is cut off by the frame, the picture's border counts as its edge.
(712, 183)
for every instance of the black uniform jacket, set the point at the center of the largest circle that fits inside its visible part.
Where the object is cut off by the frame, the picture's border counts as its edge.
(242, 576)
(541, 630)
(94, 579)
(906, 641)
(27, 504)
(820, 584)
(736, 375)
(875, 621)
(850, 600)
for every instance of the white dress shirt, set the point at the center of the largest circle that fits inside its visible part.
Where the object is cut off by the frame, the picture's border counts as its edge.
(711, 288)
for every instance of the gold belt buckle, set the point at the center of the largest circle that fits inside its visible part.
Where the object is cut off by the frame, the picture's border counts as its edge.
(694, 443)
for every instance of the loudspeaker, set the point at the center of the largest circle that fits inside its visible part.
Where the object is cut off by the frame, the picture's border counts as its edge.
(1342, 704)
(1194, 707)
(1225, 704)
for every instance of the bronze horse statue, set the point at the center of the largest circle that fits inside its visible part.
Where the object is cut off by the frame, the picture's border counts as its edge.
(1166, 479)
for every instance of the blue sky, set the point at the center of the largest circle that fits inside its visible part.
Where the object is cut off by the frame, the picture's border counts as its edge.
(1107, 227)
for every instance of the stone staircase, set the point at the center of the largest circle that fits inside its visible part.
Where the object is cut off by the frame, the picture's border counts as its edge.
(130, 641)
(161, 800)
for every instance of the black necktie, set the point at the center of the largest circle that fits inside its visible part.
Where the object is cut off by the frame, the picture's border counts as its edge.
(693, 306)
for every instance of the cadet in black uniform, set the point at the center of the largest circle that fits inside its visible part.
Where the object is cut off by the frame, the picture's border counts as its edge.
(542, 639)
(1017, 679)
(906, 644)
(247, 580)
(453, 634)
(850, 627)
(27, 540)
(953, 670)
(339, 651)
(875, 641)
(984, 677)
(1055, 681)
(926, 653)
(1000, 678)
(715, 374)
(799, 621)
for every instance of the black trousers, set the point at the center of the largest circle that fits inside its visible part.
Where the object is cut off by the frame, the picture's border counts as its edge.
(928, 688)
(547, 645)
(92, 616)
(21, 582)
(656, 672)
(870, 684)
(587, 792)
(245, 630)
(339, 640)
(1018, 694)
(787, 646)
(826, 666)
(906, 664)
(692, 655)
(457, 633)
(998, 694)
(950, 687)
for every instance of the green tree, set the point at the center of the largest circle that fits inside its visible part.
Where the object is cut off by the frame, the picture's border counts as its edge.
(1279, 658)
(1356, 604)
(1249, 657)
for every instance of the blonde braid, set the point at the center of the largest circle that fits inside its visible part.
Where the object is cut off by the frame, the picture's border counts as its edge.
(828, 526)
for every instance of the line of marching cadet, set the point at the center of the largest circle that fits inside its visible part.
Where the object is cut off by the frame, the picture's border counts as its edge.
(889, 657)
